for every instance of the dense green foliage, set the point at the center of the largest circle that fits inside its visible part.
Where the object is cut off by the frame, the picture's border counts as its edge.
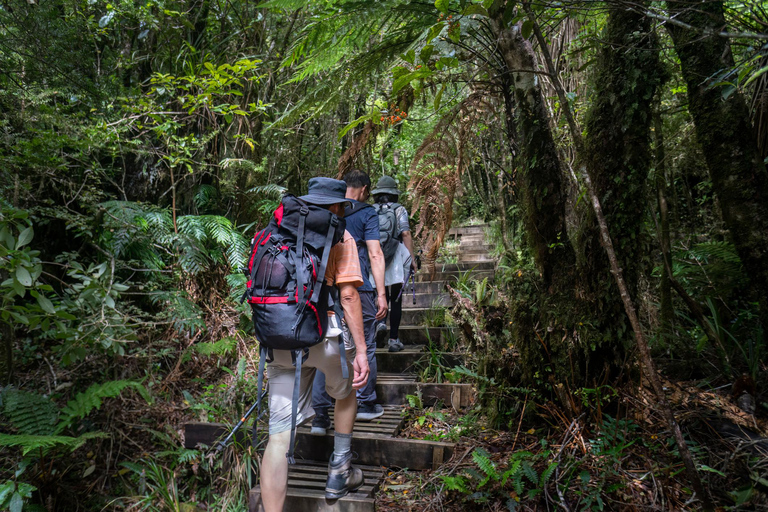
(142, 143)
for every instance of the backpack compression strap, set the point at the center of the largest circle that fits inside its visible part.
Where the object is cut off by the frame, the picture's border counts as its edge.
(298, 356)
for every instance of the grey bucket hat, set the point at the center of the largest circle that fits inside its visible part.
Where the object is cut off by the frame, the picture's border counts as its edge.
(326, 191)
(386, 185)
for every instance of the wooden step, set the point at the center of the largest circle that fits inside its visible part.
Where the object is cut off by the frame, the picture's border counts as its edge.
(421, 335)
(427, 286)
(392, 389)
(475, 258)
(421, 316)
(376, 449)
(413, 358)
(306, 490)
(425, 300)
(471, 239)
(389, 424)
(468, 230)
(475, 247)
(453, 267)
(453, 275)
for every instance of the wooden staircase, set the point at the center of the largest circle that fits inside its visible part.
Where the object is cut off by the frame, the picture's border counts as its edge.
(375, 442)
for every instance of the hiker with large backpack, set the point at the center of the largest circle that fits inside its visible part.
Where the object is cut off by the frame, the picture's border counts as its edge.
(397, 246)
(363, 224)
(304, 274)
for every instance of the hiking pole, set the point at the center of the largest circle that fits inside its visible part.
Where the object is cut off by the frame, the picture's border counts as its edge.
(411, 276)
(222, 444)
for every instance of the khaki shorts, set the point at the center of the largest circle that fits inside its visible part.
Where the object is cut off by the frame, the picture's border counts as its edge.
(281, 373)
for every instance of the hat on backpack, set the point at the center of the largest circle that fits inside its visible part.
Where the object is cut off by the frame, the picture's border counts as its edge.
(326, 191)
(386, 185)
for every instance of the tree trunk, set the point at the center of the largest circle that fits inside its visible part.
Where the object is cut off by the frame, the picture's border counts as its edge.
(723, 129)
(617, 154)
(540, 177)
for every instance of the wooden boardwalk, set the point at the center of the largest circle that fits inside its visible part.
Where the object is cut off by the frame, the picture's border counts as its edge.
(376, 442)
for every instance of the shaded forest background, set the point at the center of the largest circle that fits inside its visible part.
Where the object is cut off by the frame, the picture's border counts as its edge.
(143, 143)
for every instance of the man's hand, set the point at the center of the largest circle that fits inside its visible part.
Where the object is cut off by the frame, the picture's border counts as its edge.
(360, 365)
(381, 314)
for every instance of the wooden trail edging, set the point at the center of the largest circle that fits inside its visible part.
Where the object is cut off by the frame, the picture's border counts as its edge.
(375, 442)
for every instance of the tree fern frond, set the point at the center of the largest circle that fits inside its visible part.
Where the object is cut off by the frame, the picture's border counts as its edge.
(91, 398)
(269, 190)
(29, 443)
(183, 313)
(30, 413)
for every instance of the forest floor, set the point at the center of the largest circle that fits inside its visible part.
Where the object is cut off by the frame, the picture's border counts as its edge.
(548, 462)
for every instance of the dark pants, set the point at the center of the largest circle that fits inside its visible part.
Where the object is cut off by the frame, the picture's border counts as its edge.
(321, 401)
(395, 309)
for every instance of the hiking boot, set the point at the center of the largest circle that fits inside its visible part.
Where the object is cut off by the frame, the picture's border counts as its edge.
(320, 424)
(395, 345)
(381, 334)
(368, 411)
(342, 478)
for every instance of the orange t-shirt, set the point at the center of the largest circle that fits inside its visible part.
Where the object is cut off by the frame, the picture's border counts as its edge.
(343, 263)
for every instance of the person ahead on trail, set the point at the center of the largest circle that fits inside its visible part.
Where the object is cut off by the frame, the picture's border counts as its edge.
(397, 245)
(363, 224)
(343, 271)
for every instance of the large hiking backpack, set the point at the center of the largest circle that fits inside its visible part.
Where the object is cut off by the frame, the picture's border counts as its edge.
(388, 229)
(286, 287)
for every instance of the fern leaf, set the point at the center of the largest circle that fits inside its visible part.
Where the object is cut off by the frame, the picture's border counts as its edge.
(91, 398)
(530, 473)
(30, 413)
(218, 348)
(547, 473)
(483, 460)
(455, 483)
(28, 443)
(511, 472)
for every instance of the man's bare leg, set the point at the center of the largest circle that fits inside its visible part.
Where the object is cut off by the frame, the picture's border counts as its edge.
(274, 470)
(344, 414)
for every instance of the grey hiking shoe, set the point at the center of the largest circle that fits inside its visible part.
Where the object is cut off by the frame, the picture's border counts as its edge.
(381, 334)
(395, 345)
(368, 411)
(342, 478)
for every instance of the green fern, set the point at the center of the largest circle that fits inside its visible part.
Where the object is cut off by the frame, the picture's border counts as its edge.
(30, 413)
(29, 443)
(455, 483)
(91, 398)
(483, 460)
(514, 475)
(218, 348)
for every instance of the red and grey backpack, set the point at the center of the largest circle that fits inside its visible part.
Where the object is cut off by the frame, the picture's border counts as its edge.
(286, 288)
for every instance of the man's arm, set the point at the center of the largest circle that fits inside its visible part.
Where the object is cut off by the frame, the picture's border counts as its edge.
(408, 242)
(353, 315)
(378, 266)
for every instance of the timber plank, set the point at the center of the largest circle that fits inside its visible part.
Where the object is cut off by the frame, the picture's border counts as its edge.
(375, 450)
(412, 360)
(306, 490)
(394, 391)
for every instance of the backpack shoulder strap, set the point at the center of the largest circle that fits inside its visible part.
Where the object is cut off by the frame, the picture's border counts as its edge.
(326, 253)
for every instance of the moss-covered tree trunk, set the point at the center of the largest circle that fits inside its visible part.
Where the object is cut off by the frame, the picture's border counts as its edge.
(540, 177)
(723, 129)
(617, 154)
(544, 316)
